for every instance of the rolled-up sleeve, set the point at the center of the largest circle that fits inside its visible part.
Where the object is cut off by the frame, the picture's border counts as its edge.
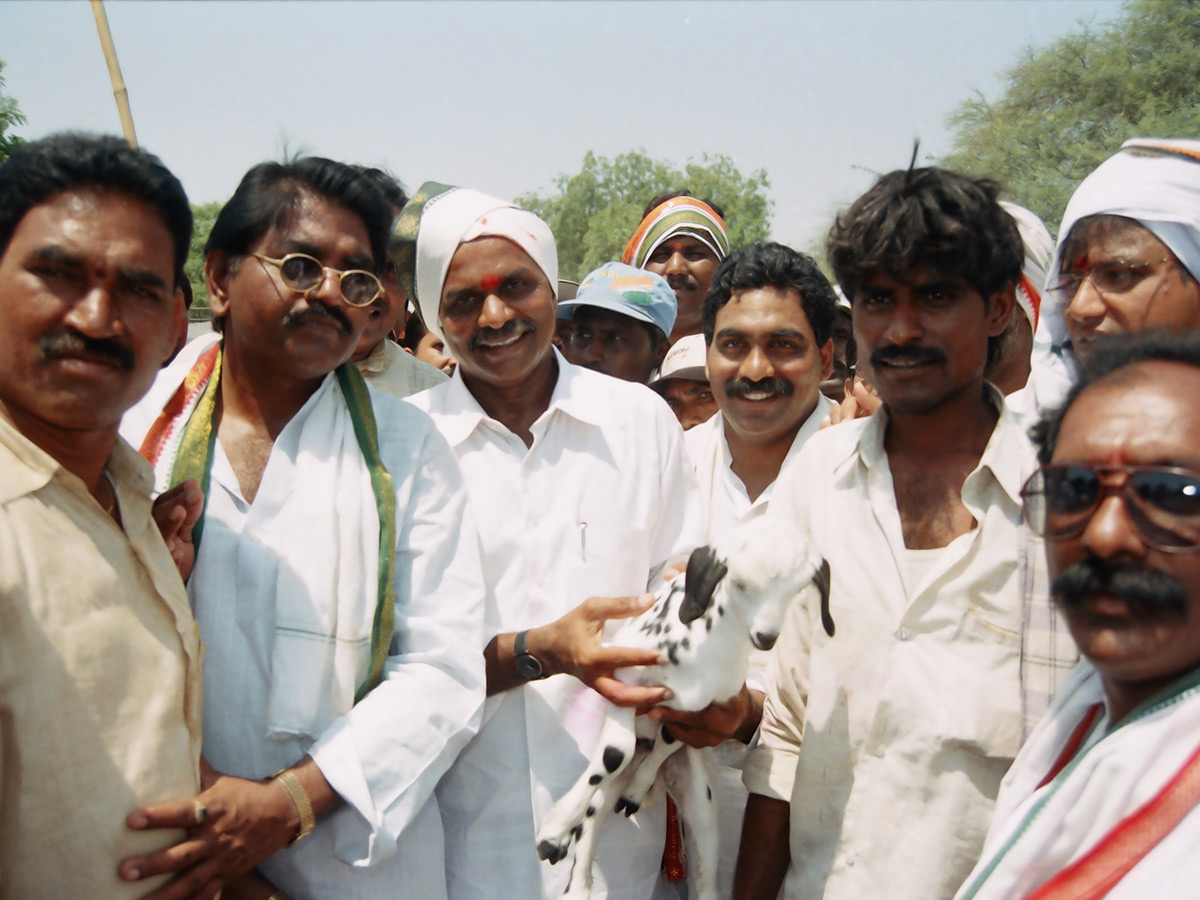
(386, 755)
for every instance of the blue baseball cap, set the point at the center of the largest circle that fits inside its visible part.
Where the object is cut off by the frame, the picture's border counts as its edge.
(623, 289)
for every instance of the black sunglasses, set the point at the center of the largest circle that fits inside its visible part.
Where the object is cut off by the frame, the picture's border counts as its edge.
(1162, 502)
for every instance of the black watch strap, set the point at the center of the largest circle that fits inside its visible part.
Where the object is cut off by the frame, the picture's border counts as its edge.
(529, 666)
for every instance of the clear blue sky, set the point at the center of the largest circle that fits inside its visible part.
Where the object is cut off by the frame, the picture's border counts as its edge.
(503, 96)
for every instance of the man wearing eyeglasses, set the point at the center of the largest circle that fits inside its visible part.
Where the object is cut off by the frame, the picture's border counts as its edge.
(1104, 798)
(336, 579)
(884, 739)
(1128, 258)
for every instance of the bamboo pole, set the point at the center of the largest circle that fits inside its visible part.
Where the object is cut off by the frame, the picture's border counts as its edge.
(114, 73)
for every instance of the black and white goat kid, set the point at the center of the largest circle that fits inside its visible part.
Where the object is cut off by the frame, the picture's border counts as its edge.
(704, 622)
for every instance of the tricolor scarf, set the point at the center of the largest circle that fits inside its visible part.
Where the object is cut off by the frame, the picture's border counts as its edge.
(180, 444)
(681, 215)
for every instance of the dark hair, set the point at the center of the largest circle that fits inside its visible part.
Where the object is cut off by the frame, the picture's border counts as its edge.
(413, 332)
(766, 263)
(671, 195)
(39, 170)
(269, 193)
(389, 185)
(931, 216)
(1109, 356)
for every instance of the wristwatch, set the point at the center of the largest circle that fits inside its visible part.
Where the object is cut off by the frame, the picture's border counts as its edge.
(528, 665)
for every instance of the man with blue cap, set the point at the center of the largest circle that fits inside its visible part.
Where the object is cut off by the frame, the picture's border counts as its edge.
(622, 317)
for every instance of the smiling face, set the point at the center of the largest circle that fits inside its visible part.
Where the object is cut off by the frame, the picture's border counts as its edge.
(688, 265)
(1142, 415)
(924, 340)
(497, 313)
(302, 335)
(88, 311)
(764, 364)
(1149, 288)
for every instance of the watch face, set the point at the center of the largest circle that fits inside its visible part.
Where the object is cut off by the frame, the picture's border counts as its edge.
(528, 666)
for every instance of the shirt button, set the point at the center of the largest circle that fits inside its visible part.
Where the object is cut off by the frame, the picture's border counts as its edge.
(903, 633)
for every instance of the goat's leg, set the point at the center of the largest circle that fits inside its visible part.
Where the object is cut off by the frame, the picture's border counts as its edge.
(587, 834)
(617, 743)
(694, 799)
(634, 795)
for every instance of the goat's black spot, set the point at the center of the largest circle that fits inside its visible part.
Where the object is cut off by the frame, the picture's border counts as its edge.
(673, 652)
(708, 623)
(708, 790)
(577, 831)
(595, 779)
(613, 757)
(667, 737)
(720, 610)
(591, 810)
(685, 643)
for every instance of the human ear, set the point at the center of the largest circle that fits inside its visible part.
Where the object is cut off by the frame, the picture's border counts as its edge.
(826, 354)
(218, 269)
(1000, 306)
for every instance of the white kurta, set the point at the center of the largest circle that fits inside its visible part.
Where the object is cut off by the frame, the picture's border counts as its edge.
(386, 754)
(911, 714)
(389, 368)
(597, 506)
(1038, 832)
(727, 505)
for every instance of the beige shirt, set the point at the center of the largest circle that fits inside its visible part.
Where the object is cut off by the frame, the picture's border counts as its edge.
(890, 739)
(389, 368)
(99, 677)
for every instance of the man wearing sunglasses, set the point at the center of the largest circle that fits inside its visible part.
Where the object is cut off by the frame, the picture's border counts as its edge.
(336, 578)
(1104, 798)
(884, 739)
(1128, 259)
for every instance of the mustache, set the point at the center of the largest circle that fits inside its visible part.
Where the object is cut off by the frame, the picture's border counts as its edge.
(776, 387)
(915, 353)
(318, 311)
(512, 327)
(70, 343)
(682, 283)
(1151, 594)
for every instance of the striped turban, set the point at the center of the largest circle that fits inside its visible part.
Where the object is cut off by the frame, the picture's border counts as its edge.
(681, 215)
(437, 219)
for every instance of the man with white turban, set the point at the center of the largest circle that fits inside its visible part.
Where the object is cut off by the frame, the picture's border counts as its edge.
(1127, 261)
(582, 490)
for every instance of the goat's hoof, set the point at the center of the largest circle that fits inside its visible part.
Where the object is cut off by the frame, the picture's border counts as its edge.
(627, 806)
(552, 851)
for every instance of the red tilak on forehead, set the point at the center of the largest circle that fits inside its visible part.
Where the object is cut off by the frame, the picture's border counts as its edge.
(489, 283)
(1117, 457)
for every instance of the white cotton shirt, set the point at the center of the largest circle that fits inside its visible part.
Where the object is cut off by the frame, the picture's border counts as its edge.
(597, 506)
(726, 506)
(911, 713)
(1040, 831)
(386, 755)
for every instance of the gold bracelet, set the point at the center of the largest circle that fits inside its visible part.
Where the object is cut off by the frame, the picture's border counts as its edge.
(299, 796)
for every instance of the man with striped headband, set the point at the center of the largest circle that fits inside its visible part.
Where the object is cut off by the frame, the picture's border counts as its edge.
(336, 579)
(1128, 258)
(682, 239)
(584, 496)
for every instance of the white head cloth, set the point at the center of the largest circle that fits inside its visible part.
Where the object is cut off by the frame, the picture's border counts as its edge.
(460, 215)
(1157, 183)
(1039, 250)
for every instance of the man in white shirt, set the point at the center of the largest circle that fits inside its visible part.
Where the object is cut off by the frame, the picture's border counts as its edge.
(884, 738)
(336, 580)
(767, 322)
(1103, 798)
(582, 490)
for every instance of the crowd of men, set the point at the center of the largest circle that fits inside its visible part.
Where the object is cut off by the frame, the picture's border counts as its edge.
(314, 606)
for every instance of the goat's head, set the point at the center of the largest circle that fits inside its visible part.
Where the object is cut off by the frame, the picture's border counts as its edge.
(758, 568)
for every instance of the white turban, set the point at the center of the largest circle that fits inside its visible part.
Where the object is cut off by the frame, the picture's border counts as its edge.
(1153, 181)
(439, 218)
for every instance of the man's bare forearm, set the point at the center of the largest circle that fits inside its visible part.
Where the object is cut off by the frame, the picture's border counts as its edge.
(764, 853)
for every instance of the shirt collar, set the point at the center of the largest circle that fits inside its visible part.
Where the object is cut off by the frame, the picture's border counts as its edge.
(1006, 457)
(576, 393)
(377, 360)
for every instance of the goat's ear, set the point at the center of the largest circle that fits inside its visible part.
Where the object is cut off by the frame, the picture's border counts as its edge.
(704, 573)
(821, 580)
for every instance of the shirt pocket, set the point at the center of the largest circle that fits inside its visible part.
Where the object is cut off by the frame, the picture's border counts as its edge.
(608, 561)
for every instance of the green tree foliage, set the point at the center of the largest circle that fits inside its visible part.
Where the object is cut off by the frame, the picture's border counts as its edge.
(594, 212)
(1070, 105)
(203, 216)
(10, 117)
